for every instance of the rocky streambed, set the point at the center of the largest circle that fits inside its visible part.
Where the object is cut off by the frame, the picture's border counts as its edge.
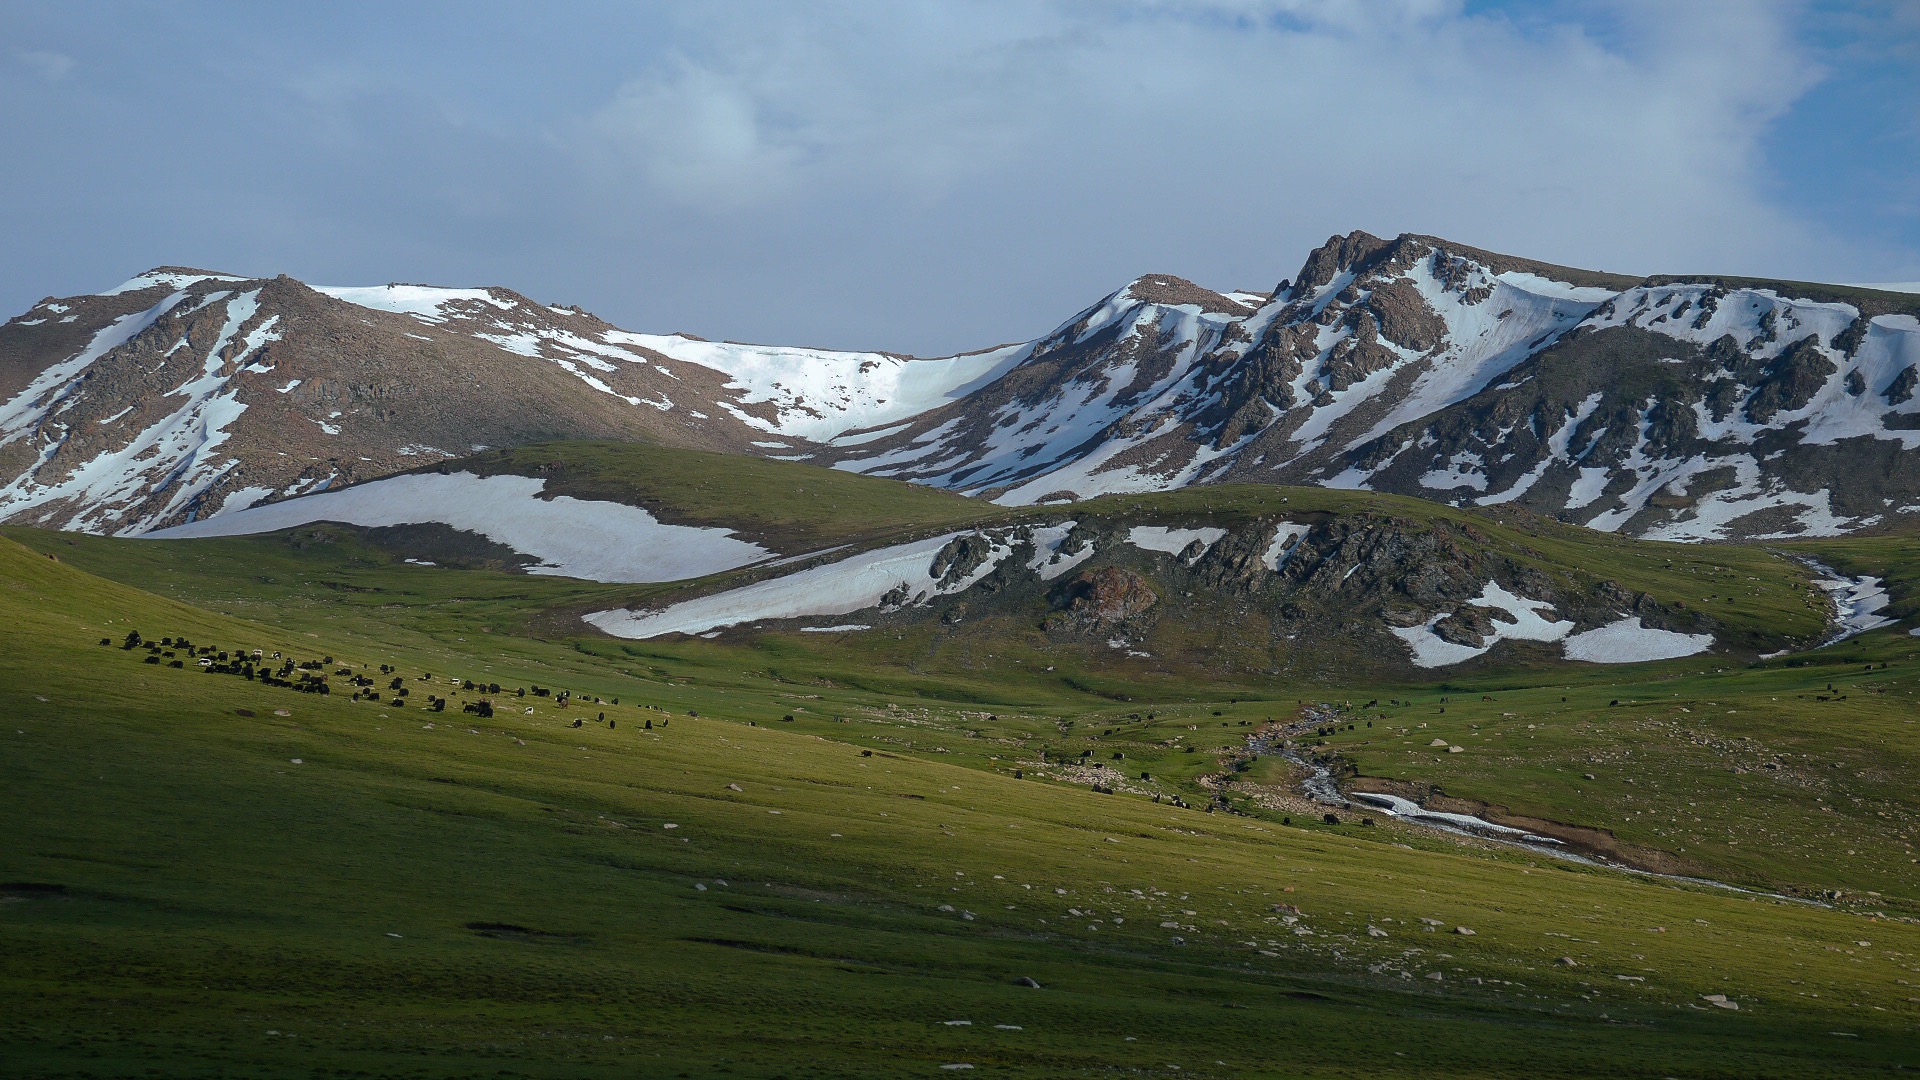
(1321, 784)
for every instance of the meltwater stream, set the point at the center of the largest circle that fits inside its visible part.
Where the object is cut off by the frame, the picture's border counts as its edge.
(1320, 786)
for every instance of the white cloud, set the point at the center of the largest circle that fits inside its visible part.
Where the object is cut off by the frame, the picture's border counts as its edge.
(51, 66)
(932, 176)
(1636, 147)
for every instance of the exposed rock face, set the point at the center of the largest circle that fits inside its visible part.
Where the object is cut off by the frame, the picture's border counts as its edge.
(1900, 390)
(1405, 317)
(960, 558)
(1791, 381)
(1110, 594)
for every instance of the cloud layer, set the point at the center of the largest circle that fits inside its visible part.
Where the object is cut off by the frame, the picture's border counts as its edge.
(918, 176)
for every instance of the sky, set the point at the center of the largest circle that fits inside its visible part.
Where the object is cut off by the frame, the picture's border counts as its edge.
(931, 177)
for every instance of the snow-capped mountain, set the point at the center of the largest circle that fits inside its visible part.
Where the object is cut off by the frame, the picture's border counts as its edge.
(1676, 408)
(182, 394)
(1685, 408)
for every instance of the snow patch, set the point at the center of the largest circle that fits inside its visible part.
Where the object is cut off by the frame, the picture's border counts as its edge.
(423, 302)
(1173, 541)
(1049, 559)
(1857, 602)
(819, 393)
(1430, 650)
(1629, 641)
(1280, 549)
(597, 541)
(839, 588)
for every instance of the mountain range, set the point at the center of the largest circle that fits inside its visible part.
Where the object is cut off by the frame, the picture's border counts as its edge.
(1684, 408)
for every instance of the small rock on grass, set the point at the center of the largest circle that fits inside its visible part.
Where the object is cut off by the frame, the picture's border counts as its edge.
(1464, 931)
(1026, 981)
(1720, 1001)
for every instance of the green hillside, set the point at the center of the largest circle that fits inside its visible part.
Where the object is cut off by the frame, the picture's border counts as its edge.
(786, 506)
(367, 889)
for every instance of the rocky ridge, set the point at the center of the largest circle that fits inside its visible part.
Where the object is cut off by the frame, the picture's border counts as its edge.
(1676, 408)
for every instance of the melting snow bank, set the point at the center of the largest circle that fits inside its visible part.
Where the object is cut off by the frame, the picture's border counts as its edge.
(1627, 641)
(1173, 541)
(1526, 624)
(1856, 601)
(892, 577)
(598, 541)
(1408, 810)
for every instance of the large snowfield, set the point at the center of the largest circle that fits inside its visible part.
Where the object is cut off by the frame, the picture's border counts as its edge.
(597, 541)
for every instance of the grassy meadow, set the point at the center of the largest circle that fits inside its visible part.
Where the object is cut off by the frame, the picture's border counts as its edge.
(818, 860)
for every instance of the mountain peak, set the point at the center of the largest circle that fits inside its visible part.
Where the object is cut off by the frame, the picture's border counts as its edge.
(172, 277)
(1172, 291)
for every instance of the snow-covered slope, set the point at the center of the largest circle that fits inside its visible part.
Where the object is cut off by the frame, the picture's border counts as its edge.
(183, 394)
(817, 394)
(1686, 410)
(1672, 408)
(1164, 383)
(598, 541)
(1679, 408)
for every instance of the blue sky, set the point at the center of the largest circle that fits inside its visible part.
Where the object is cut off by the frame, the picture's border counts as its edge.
(929, 177)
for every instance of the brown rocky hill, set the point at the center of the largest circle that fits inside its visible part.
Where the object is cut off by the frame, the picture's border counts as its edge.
(184, 393)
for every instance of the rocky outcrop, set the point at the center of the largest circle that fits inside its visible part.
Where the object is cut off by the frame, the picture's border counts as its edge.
(1405, 317)
(960, 558)
(1104, 596)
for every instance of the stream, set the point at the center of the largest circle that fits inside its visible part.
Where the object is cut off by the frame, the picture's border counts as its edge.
(1320, 786)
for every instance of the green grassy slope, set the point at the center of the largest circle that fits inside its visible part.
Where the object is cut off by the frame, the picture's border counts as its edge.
(1756, 599)
(503, 897)
(993, 693)
(783, 505)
